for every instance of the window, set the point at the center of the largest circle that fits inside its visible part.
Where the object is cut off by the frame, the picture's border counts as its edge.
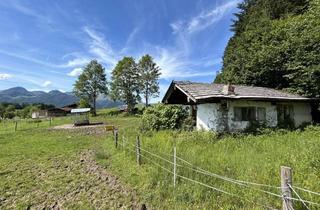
(249, 113)
(261, 114)
(285, 116)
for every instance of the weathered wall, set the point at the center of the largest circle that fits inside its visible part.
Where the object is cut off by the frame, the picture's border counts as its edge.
(271, 114)
(210, 116)
(302, 113)
(207, 115)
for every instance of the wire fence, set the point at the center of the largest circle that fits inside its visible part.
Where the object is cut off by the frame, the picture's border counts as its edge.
(14, 125)
(184, 164)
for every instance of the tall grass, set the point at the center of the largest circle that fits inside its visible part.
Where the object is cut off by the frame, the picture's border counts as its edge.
(244, 157)
(250, 158)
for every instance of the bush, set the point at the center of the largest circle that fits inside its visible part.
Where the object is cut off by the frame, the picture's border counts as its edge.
(160, 117)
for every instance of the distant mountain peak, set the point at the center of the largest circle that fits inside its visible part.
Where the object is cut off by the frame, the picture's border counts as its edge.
(16, 91)
(20, 95)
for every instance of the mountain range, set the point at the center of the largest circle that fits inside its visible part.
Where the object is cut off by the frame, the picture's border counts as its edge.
(57, 98)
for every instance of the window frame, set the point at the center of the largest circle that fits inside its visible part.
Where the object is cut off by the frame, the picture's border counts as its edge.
(249, 113)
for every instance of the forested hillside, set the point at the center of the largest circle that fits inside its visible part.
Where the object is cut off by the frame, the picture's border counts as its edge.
(275, 44)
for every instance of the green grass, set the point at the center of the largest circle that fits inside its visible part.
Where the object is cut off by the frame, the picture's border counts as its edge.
(251, 158)
(34, 164)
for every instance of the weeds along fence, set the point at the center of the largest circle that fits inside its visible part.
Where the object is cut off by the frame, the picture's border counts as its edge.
(180, 169)
(14, 125)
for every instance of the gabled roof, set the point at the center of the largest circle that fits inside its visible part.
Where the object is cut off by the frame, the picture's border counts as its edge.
(197, 92)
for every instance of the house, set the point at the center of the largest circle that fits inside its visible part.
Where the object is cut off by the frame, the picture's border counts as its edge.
(56, 112)
(69, 107)
(39, 114)
(231, 108)
(52, 112)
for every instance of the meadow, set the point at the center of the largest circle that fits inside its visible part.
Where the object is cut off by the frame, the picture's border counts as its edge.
(38, 166)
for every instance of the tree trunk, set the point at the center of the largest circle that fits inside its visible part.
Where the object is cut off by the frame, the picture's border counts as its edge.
(147, 96)
(147, 100)
(94, 113)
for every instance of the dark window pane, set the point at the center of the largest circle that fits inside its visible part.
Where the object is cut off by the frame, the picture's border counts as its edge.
(261, 112)
(237, 114)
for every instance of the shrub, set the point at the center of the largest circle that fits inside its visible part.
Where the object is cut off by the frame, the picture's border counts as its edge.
(160, 117)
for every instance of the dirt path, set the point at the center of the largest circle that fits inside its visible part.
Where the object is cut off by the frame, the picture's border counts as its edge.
(103, 190)
(63, 184)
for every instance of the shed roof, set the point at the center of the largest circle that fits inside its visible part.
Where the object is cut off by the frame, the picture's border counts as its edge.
(197, 92)
(82, 110)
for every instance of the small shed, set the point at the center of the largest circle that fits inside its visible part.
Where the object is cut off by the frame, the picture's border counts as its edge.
(39, 114)
(80, 116)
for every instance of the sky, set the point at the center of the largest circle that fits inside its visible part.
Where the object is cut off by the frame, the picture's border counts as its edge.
(45, 44)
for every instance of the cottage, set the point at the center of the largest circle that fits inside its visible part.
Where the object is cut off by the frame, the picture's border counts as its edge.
(52, 112)
(233, 108)
(56, 112)
(39, 114)
(69, 107)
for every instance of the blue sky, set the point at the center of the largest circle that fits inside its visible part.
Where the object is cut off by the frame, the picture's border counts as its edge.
(44, 44)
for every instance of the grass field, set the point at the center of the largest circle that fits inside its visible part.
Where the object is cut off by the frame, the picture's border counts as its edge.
(39, 167)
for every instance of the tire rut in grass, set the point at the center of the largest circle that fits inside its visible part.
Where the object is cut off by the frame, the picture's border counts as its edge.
(102, 189)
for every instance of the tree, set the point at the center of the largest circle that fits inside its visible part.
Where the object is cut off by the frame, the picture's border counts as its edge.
(10, 112)
(125, 83)
(83, 103)
(276, 44)
(91, 83)
(2, 111)
(149, 74)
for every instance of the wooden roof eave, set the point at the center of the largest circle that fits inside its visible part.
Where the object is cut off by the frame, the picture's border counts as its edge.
(173, 86)
(280, 99)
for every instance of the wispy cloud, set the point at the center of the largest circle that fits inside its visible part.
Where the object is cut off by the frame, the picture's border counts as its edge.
(5, 76)
(74, 62)
(25, 9)
(205, 19)
(46, 83)
(177, 61)
(78, 61)
(131, 37)
(75, 72)
(100, 47)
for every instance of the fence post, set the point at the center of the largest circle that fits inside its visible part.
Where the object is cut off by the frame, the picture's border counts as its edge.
(138, 151)
(174, 166)
(286, 180)
(50, 121)
(116, 138)
(15, 126)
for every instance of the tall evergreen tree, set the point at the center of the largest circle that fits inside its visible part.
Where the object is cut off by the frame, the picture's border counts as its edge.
(276, 44)
(91, 83)
(125, 84)
(149, 76)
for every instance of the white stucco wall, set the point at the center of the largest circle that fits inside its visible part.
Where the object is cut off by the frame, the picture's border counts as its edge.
(209, 115)
(301, 113)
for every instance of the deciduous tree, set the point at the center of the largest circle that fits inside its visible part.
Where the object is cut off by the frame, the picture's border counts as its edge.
(125, 85)
(91, 83)
(149, 74)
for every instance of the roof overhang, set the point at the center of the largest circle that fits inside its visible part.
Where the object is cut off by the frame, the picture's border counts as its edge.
(177, 95)
(174, 88)
(82, 110)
